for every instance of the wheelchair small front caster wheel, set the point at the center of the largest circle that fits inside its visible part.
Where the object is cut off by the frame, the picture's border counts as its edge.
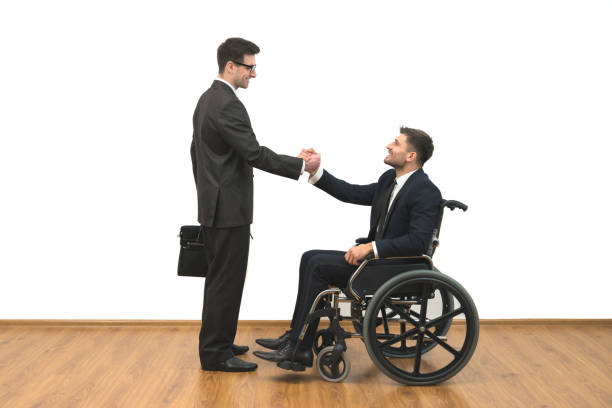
(331, 369)
(323, 339)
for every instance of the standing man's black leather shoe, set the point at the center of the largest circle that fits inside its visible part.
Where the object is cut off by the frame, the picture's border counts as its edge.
(274, 344)
(239, 350)
(233, 365)
(303, 357)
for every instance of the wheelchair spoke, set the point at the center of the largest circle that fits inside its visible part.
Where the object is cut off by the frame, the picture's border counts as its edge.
(422, 321)
(444, 345)
(402, 313)
(385, 322)
(397, 338)
(417, 357)
(424, 296)
(444, 317)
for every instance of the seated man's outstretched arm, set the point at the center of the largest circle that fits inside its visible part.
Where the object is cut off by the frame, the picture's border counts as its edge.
(343, 191)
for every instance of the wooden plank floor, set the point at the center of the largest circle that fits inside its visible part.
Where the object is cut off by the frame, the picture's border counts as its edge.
(514, 366)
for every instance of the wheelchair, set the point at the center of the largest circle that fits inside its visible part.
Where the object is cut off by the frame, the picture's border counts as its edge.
(403, 309)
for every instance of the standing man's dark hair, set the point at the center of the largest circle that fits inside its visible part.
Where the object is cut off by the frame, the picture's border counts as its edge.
(234, 49)
(224, 151)
(421, 141)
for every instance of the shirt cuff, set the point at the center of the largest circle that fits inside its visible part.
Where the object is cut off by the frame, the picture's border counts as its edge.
(303, 166)
(374, 249)
(315, 177)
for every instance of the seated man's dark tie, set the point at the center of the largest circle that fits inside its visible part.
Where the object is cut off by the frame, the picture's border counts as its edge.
(382, 220)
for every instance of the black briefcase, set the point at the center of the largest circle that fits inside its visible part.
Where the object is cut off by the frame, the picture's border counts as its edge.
(192, 256)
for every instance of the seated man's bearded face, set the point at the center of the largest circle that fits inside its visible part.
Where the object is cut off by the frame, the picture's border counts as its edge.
(399, 151)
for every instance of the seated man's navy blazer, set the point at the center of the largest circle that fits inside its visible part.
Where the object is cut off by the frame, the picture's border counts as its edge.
(412, 216)
(408, 231)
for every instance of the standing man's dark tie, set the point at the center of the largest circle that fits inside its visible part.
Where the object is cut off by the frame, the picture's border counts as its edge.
(382, 220)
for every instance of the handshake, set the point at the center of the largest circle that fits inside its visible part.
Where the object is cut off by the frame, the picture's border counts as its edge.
(312, 160)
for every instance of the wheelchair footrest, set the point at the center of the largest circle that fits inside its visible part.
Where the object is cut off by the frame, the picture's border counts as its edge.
(291, 366)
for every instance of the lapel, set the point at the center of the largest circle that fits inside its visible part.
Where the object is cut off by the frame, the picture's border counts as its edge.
(379, 207)
(399, 195)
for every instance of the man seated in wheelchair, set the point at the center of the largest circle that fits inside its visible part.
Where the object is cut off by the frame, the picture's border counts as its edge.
(405, 206)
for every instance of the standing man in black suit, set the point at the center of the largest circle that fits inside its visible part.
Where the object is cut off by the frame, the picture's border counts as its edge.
(405, 206)
(224, 151)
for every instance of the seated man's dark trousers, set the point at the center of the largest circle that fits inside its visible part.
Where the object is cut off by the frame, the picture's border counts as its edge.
(318, 270)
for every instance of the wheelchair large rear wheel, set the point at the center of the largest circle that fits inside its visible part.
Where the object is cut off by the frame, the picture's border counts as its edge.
(409, 292)
(442, 304)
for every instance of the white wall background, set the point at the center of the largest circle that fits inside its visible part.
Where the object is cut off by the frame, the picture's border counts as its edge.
(96, 100)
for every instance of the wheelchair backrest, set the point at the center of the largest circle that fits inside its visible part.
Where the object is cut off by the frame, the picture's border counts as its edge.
(435, 238)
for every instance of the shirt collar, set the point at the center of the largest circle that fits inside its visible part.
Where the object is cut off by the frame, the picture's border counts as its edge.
(227, 83)
(402, 179)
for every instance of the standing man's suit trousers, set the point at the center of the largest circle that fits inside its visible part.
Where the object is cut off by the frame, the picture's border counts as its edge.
(228, 254)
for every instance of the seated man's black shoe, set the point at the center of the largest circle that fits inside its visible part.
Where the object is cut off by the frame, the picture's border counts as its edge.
(286, 354)
(233, 365)
(274, 344)
(239, 350)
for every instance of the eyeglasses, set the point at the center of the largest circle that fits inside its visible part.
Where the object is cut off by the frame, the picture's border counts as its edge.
(251, 67)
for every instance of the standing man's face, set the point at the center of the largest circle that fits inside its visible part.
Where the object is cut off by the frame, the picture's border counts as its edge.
(242, 74)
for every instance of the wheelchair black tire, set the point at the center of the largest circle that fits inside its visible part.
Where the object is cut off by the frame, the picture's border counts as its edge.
(427, 280)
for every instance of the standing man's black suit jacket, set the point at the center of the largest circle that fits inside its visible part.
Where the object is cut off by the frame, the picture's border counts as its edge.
(413, 214)
(224, 151)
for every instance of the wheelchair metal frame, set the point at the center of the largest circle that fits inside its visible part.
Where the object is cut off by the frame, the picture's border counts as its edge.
(331, 355)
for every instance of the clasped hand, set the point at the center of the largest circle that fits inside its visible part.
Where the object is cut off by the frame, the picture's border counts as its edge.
(312, 160)
(356, 254)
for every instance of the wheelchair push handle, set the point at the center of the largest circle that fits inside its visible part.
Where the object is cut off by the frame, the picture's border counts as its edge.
(452, 204)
